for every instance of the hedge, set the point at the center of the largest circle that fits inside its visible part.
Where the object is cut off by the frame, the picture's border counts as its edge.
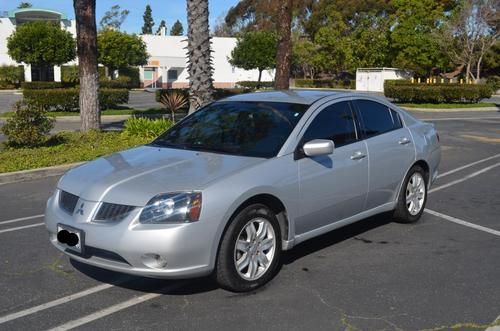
(436, 93)
(41, 85)
(128, 77)
(11, 76)
(219, 93)
(67, 99)
(325, 83)
(254, 85)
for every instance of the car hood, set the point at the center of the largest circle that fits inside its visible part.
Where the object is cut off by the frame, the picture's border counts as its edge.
(134, 176)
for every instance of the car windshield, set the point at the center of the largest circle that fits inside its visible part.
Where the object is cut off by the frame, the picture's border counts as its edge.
(257, 129)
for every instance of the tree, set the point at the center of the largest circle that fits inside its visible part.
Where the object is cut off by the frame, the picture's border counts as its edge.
(41, 44)
(221, 29)
(255, 50)
(23, 5)
(86, 40)
(177, 29)
(147, 28)
(119, 50)
(470, 33)
(306, 57)
(199, 55)
(414, 45)
(163, 24)
(114, 18)
(335, 48)
(282, 78)
(370, 41)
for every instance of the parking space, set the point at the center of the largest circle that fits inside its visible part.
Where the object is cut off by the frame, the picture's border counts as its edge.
(436, 274)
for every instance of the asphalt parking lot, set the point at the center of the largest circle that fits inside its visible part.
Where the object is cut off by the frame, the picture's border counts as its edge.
(442, 273)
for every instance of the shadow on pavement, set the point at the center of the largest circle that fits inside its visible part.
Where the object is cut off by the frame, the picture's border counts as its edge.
(207, 284)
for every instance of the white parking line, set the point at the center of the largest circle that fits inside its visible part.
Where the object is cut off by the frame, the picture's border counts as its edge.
(474, 174)
(57, 302)
(21, 219)
(468, 165)
(462, 222)
(113, 309)
(21, 227)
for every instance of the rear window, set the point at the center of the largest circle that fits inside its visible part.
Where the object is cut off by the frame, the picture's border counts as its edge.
(377, 118)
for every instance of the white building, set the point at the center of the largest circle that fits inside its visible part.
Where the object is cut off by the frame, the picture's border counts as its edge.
(372, 79)
(9, 21)
(167, 65)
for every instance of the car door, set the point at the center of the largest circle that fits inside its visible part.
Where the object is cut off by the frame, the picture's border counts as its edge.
(332, 187)
(390, 150)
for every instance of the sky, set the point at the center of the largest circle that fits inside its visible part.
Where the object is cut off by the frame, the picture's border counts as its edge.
(168, 10)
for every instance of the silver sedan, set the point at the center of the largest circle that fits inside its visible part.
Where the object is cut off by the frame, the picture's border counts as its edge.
(229, 188)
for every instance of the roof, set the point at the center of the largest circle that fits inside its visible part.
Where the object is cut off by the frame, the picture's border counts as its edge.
(36, 14)
(306, 97)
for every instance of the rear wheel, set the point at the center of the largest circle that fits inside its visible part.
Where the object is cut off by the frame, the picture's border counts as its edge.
(413, 196)
(250, 250)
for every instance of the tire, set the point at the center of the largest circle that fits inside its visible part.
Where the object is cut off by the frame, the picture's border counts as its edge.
(253, 246)
(410, 210)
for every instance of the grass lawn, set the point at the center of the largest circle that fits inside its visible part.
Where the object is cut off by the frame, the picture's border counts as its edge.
(123, 111)
(66, 147)
(447, 105)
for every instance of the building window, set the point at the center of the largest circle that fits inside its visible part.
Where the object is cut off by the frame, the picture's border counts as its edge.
(172, 75)
(233, 70)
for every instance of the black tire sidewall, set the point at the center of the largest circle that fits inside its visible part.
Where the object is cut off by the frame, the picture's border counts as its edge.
(402, 214)
(226, 274)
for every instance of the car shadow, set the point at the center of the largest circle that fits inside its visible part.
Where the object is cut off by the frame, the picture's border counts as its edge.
(207, 284)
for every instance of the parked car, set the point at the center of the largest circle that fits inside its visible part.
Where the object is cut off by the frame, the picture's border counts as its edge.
(230, 187)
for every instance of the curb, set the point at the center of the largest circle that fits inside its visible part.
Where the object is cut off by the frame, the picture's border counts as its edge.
(24, 175)
(452, 110)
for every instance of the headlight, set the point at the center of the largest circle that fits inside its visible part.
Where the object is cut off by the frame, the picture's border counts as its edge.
(175, 207)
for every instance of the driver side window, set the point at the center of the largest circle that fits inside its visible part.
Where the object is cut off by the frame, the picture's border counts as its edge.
(335, 122)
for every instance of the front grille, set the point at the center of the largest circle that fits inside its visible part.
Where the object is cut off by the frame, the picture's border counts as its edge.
(67, 201)
(112, 212)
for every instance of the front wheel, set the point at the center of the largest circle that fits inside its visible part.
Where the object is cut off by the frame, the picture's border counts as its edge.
(413, 196)
(250, 250)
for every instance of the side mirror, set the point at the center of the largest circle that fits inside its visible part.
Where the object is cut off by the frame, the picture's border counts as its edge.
(318, 147)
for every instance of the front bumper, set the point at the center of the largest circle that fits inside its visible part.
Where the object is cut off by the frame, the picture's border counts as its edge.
(158, 251)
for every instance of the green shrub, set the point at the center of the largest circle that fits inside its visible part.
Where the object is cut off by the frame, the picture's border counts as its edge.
(325, 83)
(71, 74)
(132, 73)
(254, 85)
(120, 82)
(494, 83)
(29, 125)
(45, 85)
(58, 99)
(145, 127)
(67, 99)
(219, 93)
(11, 76)
(110, 98)
(436, 93)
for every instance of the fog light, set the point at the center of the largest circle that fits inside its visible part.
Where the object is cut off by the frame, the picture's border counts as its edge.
(155, 261)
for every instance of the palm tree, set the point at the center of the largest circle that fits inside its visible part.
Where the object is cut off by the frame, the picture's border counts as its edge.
(86, 41)
(200, 63)
(282, 77)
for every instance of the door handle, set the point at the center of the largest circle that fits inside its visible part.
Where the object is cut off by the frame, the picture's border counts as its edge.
(358, 156)
(404, 141)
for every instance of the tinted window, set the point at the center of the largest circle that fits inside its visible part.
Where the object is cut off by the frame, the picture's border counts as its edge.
(335, 123)
(242, 128)
(377, 118)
